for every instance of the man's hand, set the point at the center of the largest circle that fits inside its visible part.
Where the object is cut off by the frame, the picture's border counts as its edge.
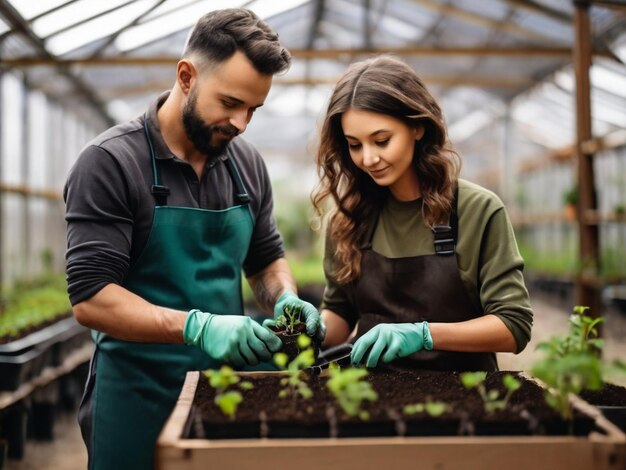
(315, 326)
(391, 341)
(234, 339)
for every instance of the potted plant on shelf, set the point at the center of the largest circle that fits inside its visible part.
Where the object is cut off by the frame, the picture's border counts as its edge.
(570, 201)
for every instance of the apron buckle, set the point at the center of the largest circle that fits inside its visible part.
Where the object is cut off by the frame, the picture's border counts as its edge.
(444, 242)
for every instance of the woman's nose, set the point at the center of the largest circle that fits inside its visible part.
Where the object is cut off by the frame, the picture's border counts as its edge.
(370, 156)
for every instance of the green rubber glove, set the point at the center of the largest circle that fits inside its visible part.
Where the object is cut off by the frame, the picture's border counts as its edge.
(234, 339)
(391, 341)
(315, 326)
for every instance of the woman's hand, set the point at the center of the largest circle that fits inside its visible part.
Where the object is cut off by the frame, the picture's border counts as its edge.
(390, 341)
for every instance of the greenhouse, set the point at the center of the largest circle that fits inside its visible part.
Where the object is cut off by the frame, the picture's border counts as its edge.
(460, 304)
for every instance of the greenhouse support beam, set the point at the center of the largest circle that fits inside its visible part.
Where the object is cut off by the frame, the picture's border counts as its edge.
(1, 198)
(24, 156)
(535, 7)
(333, 53)
(18, 24)
(587, 293)
(474, 18)
(616, 4)
(51, 195)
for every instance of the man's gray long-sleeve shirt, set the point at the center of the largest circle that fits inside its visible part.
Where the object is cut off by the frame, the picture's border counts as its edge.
(109, 206)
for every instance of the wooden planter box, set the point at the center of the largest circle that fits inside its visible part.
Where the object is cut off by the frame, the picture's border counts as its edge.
(604, 448)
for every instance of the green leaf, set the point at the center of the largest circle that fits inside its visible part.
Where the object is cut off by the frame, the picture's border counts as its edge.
(305, 392)
(246, 385)
(228, 403)
(413, 409)
(281, 359)
(435, 408)
(511, 383)
(472, 379)
(304, 341)
(223, 378)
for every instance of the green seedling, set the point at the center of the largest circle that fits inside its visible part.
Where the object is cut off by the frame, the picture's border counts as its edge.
(289, 319)
(572, 373)
(223, 380)
(491, 398)
(431, 408)
(572, 363)
(31, 303)
(350, 390)
(295, 382)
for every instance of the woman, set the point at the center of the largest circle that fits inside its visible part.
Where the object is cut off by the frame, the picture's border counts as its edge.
(422, 263)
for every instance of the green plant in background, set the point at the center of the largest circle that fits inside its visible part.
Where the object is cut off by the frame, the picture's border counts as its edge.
(548, 260)
(289, 319)
(612, 263)
(572, 362)
(619, 209)
(570, 197)
(223, 381)
(295, 382)
(293, 217)
(30, 303)
(491, 398)
(307, 270)
(431, 408)
(350, 390)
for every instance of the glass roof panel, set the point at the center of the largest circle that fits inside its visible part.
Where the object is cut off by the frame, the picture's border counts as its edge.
(3, 26)
(619, 47)
(608, 80)
(167, 7)
(72, 14)
(30, 9)
(268, 8)
(162, 26)
(96, 28)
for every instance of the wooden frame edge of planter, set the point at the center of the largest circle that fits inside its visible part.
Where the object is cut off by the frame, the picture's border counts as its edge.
(598, 451)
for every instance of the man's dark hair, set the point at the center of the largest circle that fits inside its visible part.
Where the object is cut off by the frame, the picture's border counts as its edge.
(220, 33)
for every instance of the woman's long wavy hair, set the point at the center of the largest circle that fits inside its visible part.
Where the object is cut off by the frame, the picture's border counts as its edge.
(388, 86)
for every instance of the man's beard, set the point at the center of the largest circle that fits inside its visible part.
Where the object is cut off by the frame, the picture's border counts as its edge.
(200, 133)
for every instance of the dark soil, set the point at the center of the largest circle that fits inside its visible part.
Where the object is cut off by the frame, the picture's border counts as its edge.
(263, 414)
(608, 395)
(31, 329)
(290, 341)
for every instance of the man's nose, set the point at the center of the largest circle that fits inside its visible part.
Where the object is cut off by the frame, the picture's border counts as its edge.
(240, 120)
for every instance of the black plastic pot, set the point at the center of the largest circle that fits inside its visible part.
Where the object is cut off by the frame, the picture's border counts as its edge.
(15, 370)
(14, 424)
(615, 414)
(26, 357)
(3, 452)
(39, 338)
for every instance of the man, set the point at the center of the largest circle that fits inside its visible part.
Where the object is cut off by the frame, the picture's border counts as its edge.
(163, 214)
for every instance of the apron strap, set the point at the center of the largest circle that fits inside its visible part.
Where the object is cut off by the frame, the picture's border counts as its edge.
(242, 194)
(158, 190)
(161, 191)
(445, 236)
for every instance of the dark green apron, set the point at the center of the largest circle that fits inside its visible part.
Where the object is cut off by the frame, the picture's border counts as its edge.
(192, 259)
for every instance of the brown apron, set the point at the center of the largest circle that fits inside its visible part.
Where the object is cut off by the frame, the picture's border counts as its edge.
(419, 288)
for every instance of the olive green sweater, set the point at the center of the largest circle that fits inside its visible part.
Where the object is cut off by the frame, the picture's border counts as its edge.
(487, 255)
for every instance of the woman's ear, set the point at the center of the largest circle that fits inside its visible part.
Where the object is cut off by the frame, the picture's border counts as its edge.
(185, 75)
(419, 132)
